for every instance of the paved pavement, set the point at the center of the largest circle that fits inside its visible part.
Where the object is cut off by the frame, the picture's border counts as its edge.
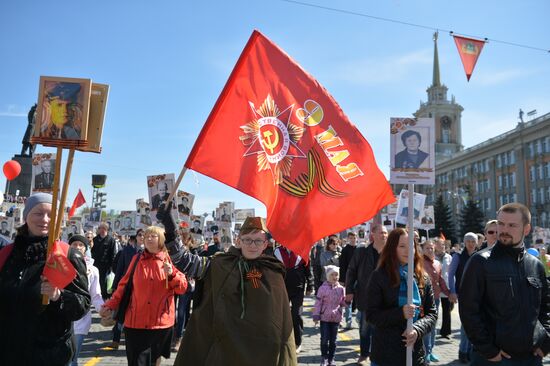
(96, 352)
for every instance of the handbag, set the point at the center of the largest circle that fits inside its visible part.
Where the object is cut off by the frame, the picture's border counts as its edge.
(120, 313)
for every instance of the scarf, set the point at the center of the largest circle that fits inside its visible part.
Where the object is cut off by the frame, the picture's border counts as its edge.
(403, 291)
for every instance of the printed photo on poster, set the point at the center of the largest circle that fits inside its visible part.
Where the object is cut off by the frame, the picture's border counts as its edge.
(225, 235)
(143, 218)
(159, 188)
(242, 213)
(225, 212)
(427, 221)
(43, 170)
(412, 149)
(127, 223)
(185, 203)
(63, 108)
(402, 216)
(95, 216)
(6, 227)
(196, 224)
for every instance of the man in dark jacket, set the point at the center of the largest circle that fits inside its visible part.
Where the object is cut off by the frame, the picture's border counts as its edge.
(103, 253)
(504, 299)
(362, 264)
(297, 280)
(345, 258)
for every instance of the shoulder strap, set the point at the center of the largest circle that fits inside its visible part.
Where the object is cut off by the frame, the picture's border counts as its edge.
(5, 254)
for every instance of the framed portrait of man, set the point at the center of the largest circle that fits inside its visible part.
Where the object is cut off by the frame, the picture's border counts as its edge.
(95, 216)
(412, 148)
(63, 110)
(159, 188)
(185, 203)
(128, 223)
(43, 170)
(196, 225)
(6, 227)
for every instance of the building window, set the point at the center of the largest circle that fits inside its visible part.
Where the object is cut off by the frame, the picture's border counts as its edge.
(547, 166)
(533, 196)
(541, 195)
(532, 173)
(541, 171)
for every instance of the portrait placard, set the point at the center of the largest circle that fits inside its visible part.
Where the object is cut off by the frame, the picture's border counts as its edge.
(402, 216)
(225, 234)
(412, 146)
(242, 213)
(196, 224)
(225, 211)
(43, 171)
(62, 112)
(6, 227)
(95, 216)
(427, 221)
(128, 223)
(159, 188)
(185, 203)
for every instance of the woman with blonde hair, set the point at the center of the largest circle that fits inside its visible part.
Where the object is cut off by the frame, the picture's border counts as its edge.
(387, 308)
(150, 316)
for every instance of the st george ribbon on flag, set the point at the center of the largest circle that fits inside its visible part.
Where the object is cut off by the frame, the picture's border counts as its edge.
(277, 135)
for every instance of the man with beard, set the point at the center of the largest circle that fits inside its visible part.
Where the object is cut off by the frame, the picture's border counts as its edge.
(504, 299)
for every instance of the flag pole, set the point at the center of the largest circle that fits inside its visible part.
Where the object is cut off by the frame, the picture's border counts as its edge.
(66, 181)
(53, 214)
(410, 266)
(176, 185)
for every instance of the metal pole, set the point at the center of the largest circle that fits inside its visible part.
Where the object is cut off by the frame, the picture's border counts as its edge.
(410, 267)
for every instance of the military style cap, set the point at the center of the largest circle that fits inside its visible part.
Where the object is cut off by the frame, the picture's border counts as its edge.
(254, 223)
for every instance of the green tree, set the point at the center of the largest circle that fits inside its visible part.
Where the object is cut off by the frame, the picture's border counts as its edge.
(443, 220)
(471, 218)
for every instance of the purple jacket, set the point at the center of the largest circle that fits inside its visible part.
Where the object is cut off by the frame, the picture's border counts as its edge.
(329, 303)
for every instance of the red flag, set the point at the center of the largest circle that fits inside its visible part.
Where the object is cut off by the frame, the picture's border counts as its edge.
(78, 201)
(469, 50)
(442, 236)
(277, 135)
(58, 268)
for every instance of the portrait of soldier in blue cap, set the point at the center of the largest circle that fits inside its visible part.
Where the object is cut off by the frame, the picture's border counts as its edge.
(62, 111)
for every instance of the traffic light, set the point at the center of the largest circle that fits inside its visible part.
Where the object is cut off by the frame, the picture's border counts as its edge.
(101, 199)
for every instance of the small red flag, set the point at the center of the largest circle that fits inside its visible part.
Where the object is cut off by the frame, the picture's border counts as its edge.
(78, 201)
(442, 236)
(277, 135)
(469, 50)
(58, 268)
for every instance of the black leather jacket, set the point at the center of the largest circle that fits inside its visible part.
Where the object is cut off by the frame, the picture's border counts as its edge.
(504, 303)
(32, 333)
(383, 312)
(362, 265)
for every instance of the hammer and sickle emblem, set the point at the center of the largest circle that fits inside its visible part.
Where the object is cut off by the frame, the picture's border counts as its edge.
(270, 145)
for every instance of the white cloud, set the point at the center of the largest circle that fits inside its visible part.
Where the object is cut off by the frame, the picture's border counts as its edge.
(13, 111)
(495, 77)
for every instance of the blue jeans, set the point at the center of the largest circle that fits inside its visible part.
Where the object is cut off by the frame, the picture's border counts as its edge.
(329, 331)
(366, 331)
(348, 314)
(182, 316)
(78, 340)
(465, 346)
(429, 339)
(479, 360)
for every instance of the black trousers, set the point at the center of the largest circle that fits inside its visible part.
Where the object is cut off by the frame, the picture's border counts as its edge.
(145, 346)
(296, 303)
(446, 308)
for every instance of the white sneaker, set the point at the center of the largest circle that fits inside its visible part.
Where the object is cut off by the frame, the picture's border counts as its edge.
(299, 349)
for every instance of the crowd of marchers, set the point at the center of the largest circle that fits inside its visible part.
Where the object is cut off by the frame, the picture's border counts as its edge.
(242, 305)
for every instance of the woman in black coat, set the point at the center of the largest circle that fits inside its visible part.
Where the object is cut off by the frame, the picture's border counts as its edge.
(387, 309)
(32, 333)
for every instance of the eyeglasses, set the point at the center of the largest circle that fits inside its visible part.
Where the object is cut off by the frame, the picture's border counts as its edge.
(257, 242)
(491, 232)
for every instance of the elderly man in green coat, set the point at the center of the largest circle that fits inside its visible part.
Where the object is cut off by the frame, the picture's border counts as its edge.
(243, 315)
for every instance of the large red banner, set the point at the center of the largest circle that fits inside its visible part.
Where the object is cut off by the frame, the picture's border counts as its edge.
(277, 135)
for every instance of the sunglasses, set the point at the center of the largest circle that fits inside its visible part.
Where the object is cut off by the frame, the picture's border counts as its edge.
(491, 232)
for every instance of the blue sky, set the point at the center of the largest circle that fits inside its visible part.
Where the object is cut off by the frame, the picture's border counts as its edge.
(166, 63)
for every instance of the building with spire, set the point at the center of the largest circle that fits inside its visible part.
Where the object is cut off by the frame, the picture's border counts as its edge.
(511, 167)
(447, 114)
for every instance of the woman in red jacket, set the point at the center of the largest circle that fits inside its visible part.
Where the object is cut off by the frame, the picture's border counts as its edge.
(149, 319)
